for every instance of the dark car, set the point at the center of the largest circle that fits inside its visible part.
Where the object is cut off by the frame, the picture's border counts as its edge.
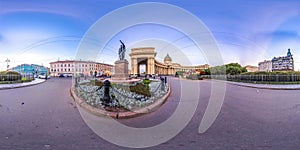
(61, 75)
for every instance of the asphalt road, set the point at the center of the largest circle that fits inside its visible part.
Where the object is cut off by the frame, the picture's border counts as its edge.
(44, 116)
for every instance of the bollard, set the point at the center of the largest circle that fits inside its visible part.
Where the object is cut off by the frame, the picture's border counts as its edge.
(106, 97)
(165, 80)
(75, 81)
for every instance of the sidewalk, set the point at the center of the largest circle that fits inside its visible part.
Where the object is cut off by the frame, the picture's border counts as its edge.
(18, 85)
(266, 86)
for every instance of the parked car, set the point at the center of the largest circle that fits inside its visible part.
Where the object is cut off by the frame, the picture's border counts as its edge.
(154, 75)
(68, 75)
(61, 75)
(133, 76)
(102, 76)
(43, 76)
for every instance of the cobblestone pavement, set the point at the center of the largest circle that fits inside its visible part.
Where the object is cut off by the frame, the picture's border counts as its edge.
(44, 116)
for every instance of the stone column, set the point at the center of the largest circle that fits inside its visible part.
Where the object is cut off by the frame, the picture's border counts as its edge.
(150, 65)
(134, 66)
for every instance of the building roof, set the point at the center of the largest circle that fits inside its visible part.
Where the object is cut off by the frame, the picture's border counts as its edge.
(78, 61)
(168, 58)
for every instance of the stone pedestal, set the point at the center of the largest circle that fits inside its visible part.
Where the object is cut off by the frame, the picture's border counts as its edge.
(121, 70)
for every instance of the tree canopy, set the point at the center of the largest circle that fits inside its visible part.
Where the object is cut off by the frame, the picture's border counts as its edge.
(231, 69)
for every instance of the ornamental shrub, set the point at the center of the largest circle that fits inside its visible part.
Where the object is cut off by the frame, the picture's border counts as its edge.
(141, 89)
(146, 81)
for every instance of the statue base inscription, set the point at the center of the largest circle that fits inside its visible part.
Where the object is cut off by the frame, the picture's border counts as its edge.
(121, 70)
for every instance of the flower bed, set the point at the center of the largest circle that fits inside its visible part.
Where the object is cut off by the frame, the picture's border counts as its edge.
(122, 95)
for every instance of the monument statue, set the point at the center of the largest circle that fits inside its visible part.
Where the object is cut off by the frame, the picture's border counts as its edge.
(122, 51)
(121, 65)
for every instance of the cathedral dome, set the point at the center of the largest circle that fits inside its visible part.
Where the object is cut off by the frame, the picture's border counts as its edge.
(167, 58)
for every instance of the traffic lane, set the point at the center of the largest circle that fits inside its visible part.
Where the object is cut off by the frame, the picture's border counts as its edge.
(43, 116)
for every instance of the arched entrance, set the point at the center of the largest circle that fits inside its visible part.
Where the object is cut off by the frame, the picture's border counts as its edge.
(142, 65)
(142, 56)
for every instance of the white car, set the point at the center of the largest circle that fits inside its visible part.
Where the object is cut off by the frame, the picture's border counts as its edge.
(43, 76)
(68, 75)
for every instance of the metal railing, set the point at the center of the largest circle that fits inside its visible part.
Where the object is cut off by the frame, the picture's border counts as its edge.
(257, 78)
(10, 77)
(77, 81)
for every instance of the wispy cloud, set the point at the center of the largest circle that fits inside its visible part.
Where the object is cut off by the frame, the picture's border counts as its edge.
(282, 34)
(70, 10)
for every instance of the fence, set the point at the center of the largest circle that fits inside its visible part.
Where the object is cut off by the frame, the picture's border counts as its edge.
(258, 78)
(10, 77)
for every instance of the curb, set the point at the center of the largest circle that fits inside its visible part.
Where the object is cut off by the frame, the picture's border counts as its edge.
(26, 85)
(269, 88)
(251, 85)
(119, 115)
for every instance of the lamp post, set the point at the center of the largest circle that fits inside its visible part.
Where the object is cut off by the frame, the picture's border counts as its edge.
(7, 61)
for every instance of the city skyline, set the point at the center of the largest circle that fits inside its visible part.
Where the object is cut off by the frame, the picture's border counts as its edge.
(247, 32)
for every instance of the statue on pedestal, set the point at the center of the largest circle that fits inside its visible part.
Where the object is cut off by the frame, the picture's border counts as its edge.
(121, 65)
(122, 51)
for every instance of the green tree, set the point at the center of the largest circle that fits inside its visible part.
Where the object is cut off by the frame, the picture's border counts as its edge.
(244, 70)
(231, 68)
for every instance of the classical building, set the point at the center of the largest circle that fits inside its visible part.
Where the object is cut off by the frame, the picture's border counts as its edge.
(284, 63)
(87, 68)
(146, 56)
(30, 69)
(251, 68)
(265, 66)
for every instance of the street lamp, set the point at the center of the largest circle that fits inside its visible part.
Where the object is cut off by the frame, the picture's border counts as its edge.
(7, 61)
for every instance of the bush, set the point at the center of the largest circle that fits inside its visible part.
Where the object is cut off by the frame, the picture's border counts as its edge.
(146, 81)
(141, 89)
(96, 83)
(12, 73)
(26, 80)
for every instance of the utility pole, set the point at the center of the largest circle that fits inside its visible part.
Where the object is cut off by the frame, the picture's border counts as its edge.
(7, 61)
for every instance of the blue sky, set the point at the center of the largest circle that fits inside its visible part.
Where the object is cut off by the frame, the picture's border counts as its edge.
(246, 31)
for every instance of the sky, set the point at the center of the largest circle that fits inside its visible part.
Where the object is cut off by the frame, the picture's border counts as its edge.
(246, 31)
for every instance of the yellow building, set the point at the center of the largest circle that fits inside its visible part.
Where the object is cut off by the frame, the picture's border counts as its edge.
(251, 68)
(146, 56)
(87, 68)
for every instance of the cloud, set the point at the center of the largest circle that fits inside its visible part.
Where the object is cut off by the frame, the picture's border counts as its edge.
(287, 34)
(282, 34)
